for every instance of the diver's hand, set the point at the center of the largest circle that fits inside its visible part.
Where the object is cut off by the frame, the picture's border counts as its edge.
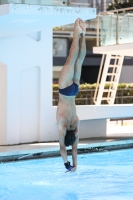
(69, 167)
(72, 170)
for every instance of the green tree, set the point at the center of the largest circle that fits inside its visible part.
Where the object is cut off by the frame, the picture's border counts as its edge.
(119, 5)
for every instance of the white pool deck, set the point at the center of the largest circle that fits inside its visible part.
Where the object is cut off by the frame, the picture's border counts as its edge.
(48, 146)
(52, 148)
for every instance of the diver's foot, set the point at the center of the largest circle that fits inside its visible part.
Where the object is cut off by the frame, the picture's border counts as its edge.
(77, 27)
(82, 24)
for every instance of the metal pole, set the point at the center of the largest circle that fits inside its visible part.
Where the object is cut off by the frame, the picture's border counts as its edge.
(98, 39)
(94, 3)
(117, 28)
(103, 5)
(68, 2)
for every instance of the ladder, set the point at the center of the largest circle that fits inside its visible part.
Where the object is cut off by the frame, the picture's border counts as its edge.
(109, 73)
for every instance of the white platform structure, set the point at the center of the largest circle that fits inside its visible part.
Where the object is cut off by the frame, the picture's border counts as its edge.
(115, 35)
(26, 111)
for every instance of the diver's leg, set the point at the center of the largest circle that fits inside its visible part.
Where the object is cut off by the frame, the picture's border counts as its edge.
(81, 54)
(67, 72)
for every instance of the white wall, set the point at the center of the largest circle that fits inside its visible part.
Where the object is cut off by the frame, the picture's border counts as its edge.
(126, 74)
(29, 91)
(26, 112)
(92, 128)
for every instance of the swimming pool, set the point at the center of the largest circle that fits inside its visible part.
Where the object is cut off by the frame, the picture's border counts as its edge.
(102, 176)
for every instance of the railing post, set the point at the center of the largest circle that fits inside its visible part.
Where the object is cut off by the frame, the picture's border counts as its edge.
(91, 97)
(117, 28)
(98, 31)
(68, 2)
(94, 3)
(122, 96)
(103, 5)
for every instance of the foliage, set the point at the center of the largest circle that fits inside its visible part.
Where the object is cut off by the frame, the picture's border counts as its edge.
(122, 85)
(130, 85)
(55, 86)
(119, 4)
(87, 86)
(86, 93)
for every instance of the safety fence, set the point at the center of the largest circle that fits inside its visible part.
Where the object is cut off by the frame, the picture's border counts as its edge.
(115, 27)
(85, 96)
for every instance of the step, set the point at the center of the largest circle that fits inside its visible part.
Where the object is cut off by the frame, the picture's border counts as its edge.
(113, 66)
(110, 74)
(116, 57)
(111, 82)
(109, 90)
(107, 98)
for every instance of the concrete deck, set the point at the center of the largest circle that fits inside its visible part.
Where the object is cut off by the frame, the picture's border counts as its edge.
(50, 149)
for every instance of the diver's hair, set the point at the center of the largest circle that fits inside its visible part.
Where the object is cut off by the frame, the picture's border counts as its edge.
(69, 138)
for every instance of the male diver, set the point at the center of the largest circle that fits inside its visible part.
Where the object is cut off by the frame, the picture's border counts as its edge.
(69, 80)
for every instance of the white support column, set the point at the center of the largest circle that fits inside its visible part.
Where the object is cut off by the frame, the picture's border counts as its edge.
(47, 125)
(13, 115)
(26, 111)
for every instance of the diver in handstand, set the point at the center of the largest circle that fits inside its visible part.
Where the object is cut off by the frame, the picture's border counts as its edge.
(69, 80)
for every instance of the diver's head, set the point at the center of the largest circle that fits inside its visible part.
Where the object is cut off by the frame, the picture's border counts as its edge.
(70, 138)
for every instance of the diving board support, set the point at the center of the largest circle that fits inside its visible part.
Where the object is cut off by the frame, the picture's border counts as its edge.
(26, 41)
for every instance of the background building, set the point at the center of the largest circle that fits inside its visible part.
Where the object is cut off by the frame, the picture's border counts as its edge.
(62, 38)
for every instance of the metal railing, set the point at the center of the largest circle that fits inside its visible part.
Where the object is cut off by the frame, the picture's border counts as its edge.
(77, 3)
(121, 121)
(99, 78)
(85, 97)
(37, 2)
(48, 2)
(115, 27)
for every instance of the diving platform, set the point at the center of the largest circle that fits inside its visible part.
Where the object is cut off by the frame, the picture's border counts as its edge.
(115, 49)
(26, 40)
(21, 19)
(114, 42)
(26, 54)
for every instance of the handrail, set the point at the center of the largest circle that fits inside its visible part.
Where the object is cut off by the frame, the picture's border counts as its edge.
(78, 4)
(118, 10)
(88, 100)
(37, 2)
(98, 79)
(67, 3)
(114, 13)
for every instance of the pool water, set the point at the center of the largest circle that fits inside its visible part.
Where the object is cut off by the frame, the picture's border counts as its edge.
(102, 176)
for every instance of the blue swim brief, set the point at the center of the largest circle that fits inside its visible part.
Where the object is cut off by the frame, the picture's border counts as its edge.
(71, 90)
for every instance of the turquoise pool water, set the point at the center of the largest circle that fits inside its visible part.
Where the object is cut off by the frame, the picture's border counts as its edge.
(102, 176)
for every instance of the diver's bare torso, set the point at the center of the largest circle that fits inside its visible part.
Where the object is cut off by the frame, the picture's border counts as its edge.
(66, 112)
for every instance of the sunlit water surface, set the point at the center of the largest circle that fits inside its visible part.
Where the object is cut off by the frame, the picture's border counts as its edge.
(102, 176)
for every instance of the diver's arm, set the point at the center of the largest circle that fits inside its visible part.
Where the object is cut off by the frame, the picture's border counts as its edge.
(63, 150)
(74, 150)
